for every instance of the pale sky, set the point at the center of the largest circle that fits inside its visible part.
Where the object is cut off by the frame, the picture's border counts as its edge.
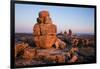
(78, 19)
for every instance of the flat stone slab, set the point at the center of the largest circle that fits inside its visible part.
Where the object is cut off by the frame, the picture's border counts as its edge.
(44, 56)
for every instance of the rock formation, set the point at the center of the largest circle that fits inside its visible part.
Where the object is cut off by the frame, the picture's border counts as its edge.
(44, 31)
(24, 51)
(65, 32)
(70, 33)
(60, 44)
(19, 49)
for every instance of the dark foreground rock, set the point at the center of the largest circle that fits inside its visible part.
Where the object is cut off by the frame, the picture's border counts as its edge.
(34, 56)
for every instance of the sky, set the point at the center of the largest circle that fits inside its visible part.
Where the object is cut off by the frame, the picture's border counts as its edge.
(78, 19)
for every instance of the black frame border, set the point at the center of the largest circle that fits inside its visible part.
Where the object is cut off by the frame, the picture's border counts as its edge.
(12, 29)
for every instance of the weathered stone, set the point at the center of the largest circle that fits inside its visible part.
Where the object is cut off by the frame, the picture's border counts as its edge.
(25, 51)
(60, 44)
(47, 20)
(40, 20)
(43, 14)
(60, 59)
(70, 33)
(29, 54)
(44, 31)
(75, 42)
(52, 55)
(19, 49)
(36, 30)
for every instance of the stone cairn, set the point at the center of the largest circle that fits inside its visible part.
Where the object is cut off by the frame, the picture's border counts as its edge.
(44, 31)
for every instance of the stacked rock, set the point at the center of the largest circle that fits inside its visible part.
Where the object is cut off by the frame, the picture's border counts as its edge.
(44, 31)
(70, 33)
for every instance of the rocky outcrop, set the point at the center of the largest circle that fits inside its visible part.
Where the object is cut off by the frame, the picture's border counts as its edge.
(44, 31)
(24, 51)
(60, 44)
(19, 49)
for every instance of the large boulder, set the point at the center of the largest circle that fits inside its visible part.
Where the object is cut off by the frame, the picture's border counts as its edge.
(44, 32)
(19, 49)
(29, 53)
(24, 51)
(60, 44)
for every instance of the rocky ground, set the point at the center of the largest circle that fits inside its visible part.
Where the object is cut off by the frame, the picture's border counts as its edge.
(49, 56)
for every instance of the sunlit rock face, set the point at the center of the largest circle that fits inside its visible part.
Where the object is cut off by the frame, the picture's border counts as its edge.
(44, 31)
(24, 51)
